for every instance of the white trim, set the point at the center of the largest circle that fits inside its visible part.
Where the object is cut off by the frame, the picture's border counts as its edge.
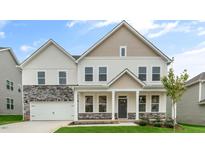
(113, 104)
(160, 73)
(93, 95)
(132, 30)
(122, 73)
(141, 73)
(200, 91)
(37, 77)
(98, 103)
(84, 75)
(119, 58)
(42, 48)
(58, 77)
(125, 47)
(99, 73)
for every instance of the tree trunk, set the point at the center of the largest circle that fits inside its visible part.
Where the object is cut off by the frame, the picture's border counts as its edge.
(174, 112)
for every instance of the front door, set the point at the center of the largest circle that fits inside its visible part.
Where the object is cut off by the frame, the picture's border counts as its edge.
(122, 107)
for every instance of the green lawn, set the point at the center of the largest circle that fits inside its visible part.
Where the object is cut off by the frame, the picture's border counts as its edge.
(130, 129)
(6, 119)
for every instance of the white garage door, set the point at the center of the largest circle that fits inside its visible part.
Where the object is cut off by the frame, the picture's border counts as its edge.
(51, 111)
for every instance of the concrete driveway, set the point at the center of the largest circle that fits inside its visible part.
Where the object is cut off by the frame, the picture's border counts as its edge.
(33, 127)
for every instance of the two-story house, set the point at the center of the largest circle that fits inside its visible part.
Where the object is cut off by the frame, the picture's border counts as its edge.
(117, 78)
(10, 83)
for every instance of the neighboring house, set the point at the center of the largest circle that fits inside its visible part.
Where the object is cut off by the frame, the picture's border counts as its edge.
(117, 78)
(10, 84)
(191, 108)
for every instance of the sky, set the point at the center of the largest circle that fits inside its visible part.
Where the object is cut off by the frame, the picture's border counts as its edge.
(182, 39)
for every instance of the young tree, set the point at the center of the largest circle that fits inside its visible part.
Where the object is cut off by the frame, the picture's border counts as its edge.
(175, 87)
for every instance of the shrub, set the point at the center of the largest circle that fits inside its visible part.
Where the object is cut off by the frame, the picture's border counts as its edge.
(169, 123)
(144, 122)
(158, 124)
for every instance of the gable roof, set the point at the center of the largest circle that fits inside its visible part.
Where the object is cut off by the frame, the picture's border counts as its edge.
(200, 77)
(49, 42)
(11, 52)
(129, 73)
(124, 23)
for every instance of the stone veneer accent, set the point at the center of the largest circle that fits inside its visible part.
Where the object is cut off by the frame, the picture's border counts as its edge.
(32, 93)
(151, 115)
(93, 116)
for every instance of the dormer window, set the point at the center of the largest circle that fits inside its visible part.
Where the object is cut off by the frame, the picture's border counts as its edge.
(123, 51)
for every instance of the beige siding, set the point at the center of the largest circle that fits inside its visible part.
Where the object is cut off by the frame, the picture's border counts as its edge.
(51, 60)
(123, 37)
(126, 82)
(188, 109)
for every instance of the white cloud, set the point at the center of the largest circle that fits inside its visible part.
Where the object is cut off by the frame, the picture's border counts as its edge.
(192, 60)
(3, 23)
(72, 23)
(202, 32)
(165, 28)
(26, 48)
(36, 44)
(2, 35)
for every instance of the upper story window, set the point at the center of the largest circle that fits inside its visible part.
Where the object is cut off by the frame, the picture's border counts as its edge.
(123, 51)
(102, 73)
(155, 103)
(142, 73)
(41, 77)
(88, 73)
(155, 73)
(9, 85)
(62, 77)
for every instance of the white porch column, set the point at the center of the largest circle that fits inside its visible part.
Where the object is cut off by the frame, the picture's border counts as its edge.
(75, 105)
(113, 105)
(137, 105)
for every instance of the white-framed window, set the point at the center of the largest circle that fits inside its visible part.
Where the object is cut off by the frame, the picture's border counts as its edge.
(123, 51)
(88, 73)
(156, 73)
(62, 77)
(155, 103)
(102, 73)
(142, 103)
(9, 85)
(102, 103)
(41, 77)
(88, 103)
(9, 104)
(142, 73)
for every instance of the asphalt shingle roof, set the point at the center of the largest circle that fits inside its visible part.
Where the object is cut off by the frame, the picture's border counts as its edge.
(197, 78)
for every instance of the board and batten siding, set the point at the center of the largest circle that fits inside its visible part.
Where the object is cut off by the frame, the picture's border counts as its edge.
(51, 60)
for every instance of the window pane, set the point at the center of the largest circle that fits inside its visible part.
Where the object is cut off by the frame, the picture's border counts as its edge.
(155, 69)
(122, 51)
(155, 99)
(7, 84)
(62, 74)
(8, 103)
(155, 77)
(62, 80)
(88, 103)
(103, 77)
(41, 81)
(143, 70)
(88, 77)
(142, 107)
(142, 103)
(88, 70)
(102, 103)
(41, 74)
(155, 107)
(103, 70)
(12, 104)
(143, 77)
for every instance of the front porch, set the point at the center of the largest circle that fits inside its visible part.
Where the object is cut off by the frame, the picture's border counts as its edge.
(119, 105)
